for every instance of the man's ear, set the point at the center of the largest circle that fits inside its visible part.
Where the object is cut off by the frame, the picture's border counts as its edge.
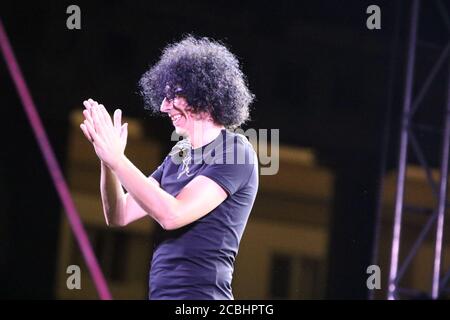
(204, 115)
(207, 115)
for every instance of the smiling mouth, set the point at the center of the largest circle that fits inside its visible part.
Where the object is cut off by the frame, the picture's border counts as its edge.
(175, 118)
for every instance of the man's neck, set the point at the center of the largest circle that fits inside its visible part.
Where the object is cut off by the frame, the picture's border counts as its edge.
(204, 133)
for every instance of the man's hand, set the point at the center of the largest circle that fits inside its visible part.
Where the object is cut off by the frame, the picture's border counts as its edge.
(109, 139)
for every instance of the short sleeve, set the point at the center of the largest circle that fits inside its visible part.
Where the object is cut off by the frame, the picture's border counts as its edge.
(229, 176)
(232, 176)
(157, 174)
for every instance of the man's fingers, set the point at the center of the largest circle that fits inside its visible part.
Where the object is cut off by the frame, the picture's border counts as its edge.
(99, 111)
(85, 131)
(102, 114)
(105, 114)
(124, 132)
(95, 138)
(93, 104)
(87, 105)
(99, 117)
(118, 119)
(87, 115)
(90, 130)
(124, 135)
(96, 118)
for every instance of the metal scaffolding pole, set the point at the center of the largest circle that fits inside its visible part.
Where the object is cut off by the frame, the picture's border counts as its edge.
(439, 190)
(442, 199)
(403, 151)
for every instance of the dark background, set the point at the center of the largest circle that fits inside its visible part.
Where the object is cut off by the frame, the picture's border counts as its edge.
(318, 73)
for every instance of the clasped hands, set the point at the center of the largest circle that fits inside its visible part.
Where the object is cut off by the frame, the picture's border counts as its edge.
(108, 136)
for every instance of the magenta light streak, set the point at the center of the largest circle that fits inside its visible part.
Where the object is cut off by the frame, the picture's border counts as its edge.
(53, 166)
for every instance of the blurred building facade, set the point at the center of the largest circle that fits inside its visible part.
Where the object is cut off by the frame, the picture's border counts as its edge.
(283, 253)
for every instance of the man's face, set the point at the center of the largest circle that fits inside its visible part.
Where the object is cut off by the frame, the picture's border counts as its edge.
(178, 111)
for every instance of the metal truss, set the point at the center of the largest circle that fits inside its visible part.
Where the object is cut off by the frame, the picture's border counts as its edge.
(435, 220)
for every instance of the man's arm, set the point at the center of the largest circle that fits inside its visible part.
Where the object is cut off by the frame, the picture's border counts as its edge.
(112, 196)
(119, 207)
(196, 199)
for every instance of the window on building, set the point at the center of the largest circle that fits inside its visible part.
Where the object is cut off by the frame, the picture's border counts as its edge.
(297, 277)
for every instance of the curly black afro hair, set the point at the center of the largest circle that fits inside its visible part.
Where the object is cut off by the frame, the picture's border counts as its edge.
(206, 74)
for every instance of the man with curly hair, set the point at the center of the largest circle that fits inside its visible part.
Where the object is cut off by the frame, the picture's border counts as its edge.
(203, 192)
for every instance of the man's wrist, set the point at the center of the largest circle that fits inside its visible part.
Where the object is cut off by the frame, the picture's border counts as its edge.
(104, 165)
(119, 163)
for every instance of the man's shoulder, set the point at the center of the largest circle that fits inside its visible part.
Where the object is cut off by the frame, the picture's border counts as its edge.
(230, 148)
(239, 140)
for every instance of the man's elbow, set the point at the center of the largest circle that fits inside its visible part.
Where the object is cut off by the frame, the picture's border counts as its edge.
(116, 223)
(170, 222)
(169, 225)
(116, 218)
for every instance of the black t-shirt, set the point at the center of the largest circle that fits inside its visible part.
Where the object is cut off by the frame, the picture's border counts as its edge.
(197, 261)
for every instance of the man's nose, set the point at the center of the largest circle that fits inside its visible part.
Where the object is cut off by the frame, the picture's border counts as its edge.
(166, 105)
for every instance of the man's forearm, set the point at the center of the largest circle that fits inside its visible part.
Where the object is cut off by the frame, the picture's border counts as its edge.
(161, 205)
(112, 196)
